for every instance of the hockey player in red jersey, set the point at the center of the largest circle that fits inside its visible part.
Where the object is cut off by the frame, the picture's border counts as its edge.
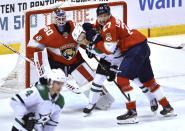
(136, 63)
(62, 50)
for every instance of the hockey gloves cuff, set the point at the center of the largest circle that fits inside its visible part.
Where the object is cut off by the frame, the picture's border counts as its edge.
(29, 121)
(89, 54)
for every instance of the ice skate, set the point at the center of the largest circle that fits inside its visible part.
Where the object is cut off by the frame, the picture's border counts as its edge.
(168, 111)
(87, 110)
(153, 105)
(128, 118)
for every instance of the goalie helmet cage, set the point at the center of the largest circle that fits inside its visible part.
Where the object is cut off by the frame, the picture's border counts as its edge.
(38, 18)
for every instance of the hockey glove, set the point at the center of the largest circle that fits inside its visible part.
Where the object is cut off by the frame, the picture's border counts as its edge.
(29, 122)
(111, 73)
(87, 26)
(43, 80)
(93, 36)
(105, 64)
(89, 54)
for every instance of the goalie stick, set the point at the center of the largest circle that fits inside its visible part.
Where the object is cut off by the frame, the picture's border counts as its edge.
(169, 46)
(127, 97)
(37, 66)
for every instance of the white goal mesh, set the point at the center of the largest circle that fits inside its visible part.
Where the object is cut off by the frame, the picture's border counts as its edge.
(23, 74)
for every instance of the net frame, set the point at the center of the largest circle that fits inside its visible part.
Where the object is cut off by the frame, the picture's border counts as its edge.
(45, 11)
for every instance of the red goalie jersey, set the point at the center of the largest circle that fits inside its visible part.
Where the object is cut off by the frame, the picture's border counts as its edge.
(61, 47)
(116, 33)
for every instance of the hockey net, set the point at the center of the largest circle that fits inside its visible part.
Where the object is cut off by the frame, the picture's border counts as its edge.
(24, 74)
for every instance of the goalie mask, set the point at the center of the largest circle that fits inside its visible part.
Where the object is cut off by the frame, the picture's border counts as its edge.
(59, 16)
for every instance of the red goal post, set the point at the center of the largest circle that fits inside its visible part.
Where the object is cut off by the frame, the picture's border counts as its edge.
(77, 8)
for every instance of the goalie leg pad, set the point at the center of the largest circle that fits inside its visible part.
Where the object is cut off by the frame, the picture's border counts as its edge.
(83, 74)
(41, 61)
(42, 65)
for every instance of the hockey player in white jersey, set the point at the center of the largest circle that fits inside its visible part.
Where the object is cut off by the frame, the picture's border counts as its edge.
(39, 106)
(107, 69)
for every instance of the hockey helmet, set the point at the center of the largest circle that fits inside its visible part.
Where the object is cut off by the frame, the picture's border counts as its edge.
(103, 9)
(57, 75)
(59, 16)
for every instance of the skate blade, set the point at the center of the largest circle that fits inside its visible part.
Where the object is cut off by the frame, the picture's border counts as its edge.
(171, 114)
(87, 114)
(154, 113)
(128, 121)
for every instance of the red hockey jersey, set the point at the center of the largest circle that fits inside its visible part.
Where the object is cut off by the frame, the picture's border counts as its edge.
(116, 33)
(61, 48)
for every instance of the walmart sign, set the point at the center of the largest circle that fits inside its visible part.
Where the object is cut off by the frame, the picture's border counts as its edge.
(159, 4)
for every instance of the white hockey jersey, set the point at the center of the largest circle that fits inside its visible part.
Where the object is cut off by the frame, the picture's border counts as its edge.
(115, 58)
(38, 100)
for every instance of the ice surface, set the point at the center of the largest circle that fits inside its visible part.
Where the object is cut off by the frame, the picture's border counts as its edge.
(169, 69)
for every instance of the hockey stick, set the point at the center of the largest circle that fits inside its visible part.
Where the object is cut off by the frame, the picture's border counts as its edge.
(127, 97)
(18, 53)
(169, 46)
(37, 66)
